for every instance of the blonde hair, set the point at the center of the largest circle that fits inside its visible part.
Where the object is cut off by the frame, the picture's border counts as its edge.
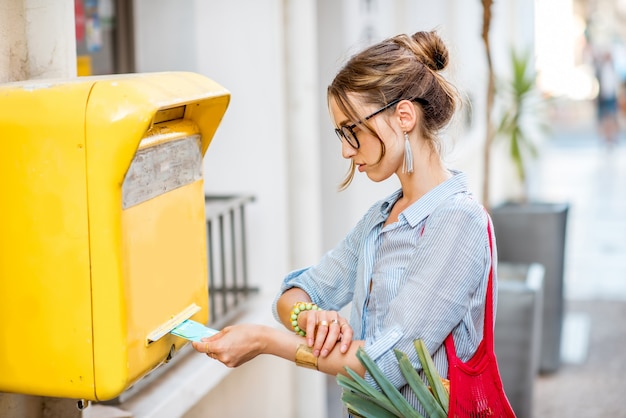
(401, 67)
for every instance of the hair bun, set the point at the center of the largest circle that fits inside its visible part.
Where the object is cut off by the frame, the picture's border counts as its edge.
(440, 60)
(431, 50)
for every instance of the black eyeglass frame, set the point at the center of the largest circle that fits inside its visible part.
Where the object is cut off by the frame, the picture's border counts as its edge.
(351, 135)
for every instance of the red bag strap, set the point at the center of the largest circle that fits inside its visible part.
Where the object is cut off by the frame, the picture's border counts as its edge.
(488, 321)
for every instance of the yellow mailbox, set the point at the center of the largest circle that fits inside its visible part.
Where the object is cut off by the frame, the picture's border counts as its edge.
(103, 231)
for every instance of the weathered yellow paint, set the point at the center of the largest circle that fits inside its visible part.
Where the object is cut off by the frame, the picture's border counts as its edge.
(82, 280)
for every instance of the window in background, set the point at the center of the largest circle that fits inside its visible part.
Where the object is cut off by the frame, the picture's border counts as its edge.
(104, 37)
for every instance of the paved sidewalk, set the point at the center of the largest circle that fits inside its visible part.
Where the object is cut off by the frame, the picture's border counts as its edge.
(591, 382)
(596, 386)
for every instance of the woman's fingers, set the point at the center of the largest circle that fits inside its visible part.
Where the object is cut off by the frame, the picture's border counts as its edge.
(327, 334)
(320, 337)
(324, 329)
(346, 335)
(311, 325)
(333, 335)
(205, 346)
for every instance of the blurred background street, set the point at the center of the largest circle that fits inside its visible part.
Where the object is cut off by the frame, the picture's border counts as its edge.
(578, 167)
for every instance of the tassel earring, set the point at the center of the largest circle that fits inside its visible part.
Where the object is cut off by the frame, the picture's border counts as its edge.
(408, 155)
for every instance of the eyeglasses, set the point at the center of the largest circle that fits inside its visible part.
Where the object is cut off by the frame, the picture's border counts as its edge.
(347, 131)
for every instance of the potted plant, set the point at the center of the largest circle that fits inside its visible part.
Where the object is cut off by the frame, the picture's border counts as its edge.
(521, 121)
(514, 112)
(530, 230)
(527, 230)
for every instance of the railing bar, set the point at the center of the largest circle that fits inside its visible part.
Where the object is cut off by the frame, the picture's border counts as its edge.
(223, 259)
(211, 269)
(233, 246)
(235, 289)
(244, 258)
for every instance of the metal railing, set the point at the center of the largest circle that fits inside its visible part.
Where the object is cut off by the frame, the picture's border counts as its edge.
(226, 255)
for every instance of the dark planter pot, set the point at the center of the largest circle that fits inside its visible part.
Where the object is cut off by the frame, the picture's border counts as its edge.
(517, 335)
(535, 233)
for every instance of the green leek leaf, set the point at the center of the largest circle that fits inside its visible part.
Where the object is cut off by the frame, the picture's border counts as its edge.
(366, 407)
(369, 390)
(432, 407)
(441, 394)
(387, 387)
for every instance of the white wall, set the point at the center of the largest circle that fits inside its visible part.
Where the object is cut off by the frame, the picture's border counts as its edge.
(165, 35)
(239, 45)
(343, 29)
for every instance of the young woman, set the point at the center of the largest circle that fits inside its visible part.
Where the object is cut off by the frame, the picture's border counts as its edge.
(417, 264)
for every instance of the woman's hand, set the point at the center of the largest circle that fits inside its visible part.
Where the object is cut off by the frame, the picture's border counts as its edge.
(234, 345)
(238, 344)
(324, 329)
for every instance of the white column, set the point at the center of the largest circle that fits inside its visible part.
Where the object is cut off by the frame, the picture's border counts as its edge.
(13, 49)
(303, 169)
(37, 39)
(302, 132)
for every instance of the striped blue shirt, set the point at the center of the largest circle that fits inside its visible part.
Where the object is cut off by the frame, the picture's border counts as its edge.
(428, 274)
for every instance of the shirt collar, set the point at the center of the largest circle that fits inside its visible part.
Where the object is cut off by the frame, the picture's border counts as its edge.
(425, 205)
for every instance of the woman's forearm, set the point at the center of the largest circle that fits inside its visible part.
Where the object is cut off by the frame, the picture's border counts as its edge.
(285, 345)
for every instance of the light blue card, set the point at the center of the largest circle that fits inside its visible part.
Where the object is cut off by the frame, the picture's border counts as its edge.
(193, 331)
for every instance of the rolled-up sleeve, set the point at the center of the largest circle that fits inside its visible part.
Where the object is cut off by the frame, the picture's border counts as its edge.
(330, 283)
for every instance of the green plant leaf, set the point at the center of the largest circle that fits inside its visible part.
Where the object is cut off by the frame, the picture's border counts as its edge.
(360, 385)
(347, 383)
(432, 407)
(365, 407)
(387, 387)
(521, 113)
(440, 393)
(516, 154)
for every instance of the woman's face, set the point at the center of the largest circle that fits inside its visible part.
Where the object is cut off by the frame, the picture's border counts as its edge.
(367, 157)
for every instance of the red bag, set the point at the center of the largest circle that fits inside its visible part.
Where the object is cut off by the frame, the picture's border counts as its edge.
(475, 386)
